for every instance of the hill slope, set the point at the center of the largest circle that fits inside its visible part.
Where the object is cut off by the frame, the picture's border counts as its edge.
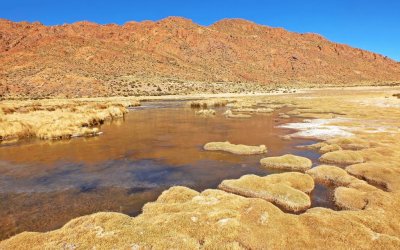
(175, 55)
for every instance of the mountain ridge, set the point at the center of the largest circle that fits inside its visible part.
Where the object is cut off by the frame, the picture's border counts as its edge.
(175, 56)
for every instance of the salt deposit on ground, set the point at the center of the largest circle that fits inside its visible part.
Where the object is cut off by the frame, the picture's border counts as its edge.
(319, 128)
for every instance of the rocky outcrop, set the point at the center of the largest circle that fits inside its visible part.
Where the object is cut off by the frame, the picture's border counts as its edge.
(175, 55)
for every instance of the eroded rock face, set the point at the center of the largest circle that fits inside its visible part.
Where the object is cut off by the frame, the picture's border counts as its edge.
(288, 161)
(343, 157)
(286, 190)
(239, 149)
(88, 59)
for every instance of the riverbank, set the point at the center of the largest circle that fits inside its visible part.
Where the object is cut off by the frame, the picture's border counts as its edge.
(364, 123)
(66, 118)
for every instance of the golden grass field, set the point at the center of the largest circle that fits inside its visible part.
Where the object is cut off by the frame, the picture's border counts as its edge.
(359, 133)
(58, 119)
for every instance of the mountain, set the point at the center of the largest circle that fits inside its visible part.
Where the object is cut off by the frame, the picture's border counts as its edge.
(175, 55)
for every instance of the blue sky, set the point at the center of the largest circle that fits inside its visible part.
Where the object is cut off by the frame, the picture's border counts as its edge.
(369, 24)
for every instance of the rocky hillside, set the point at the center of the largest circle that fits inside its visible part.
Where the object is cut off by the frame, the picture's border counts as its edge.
(173, 56)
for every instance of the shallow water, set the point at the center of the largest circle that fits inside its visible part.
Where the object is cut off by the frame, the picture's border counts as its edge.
(45, 184)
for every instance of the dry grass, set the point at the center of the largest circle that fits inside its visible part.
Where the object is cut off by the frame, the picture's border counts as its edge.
(349, 143)
(329, 148)
(342, 157)
(350, 198)
(208, 103)
(296, 180)
(205, 112)
(377, 174)
(288, 161)
(332, 175)
(59, 119)
(184, 219)
(229, 114)
(253, 110)
(239, 149)
(284, 116)
(277, 189)
(315, 146)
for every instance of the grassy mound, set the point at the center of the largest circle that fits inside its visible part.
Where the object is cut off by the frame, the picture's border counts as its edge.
(205, 112)
(332, 175)
(288, 161)
(279, 189)
(343, 157)
(352, 143)
(239, 149)
(350, 198)
(378, 174)
(329, 148)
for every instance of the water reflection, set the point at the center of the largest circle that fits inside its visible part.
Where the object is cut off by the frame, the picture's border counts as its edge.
(45, 184)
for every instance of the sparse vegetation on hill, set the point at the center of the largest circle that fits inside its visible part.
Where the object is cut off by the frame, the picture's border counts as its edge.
(176, 56)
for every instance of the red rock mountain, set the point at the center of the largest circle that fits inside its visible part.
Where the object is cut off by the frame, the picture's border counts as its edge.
(175, 55)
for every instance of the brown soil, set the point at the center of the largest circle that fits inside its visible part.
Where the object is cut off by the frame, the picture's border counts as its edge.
(176, 56)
